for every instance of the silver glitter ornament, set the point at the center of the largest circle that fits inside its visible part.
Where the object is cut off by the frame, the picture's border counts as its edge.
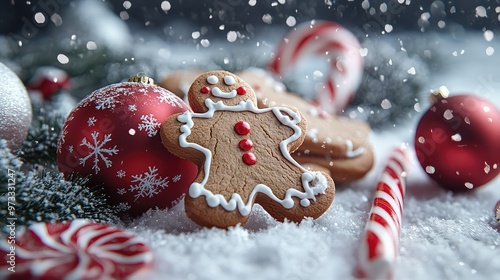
(15, 108)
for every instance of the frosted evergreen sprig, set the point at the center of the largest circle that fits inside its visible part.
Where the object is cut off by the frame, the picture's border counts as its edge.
(46, 196)
(392, 87)
(40, 145)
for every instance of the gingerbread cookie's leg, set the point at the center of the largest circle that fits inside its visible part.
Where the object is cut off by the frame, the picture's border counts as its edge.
(320, 189)
(204, 215)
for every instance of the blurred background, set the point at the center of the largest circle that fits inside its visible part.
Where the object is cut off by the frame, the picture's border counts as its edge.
(248, 15)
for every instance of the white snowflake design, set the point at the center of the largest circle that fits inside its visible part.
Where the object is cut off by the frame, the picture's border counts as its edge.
(121, 191)
(149, 124)
(70, 149)
(120, 173)
(91, 121)
(132, 108)
(148, 183)
(62, 138)
(170, 99)
(122, 207)
(106, 102)
(98, 151)
(176, 178)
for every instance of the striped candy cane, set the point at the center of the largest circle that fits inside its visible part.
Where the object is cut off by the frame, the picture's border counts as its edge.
(497, 211)
(342, 50)
(380, 243)
(75, 250)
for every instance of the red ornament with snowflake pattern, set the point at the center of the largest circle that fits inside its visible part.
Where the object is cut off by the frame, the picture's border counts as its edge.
(457, 141)
(112, 136)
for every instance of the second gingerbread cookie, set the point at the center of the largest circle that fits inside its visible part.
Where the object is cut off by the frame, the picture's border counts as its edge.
(243, 155)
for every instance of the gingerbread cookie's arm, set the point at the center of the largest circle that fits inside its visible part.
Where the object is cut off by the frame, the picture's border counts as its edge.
(171, 135)
(298, 119)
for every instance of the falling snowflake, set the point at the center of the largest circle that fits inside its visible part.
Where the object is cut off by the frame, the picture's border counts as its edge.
(170, 99)
(98, 151)
(70, 149)
(148, 183)
(91, 121)
(132, 108)
(176, 178)
(149, 124)
(122, 207)
(120, 173)
(107, 102)
(121, 191)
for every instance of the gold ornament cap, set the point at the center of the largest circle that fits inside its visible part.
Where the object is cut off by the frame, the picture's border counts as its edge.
(139, 78)
(440, 93)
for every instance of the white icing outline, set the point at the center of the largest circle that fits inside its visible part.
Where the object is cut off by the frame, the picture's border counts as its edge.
(314, 183)
(350, 153)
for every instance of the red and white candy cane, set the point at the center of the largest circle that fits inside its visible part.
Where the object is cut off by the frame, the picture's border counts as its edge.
(380, 243)
(342, 50)
(74, 250)
(497, 211)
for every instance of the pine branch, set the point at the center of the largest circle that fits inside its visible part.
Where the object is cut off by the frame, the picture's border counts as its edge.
(40, 146)
(45, 196)
(392, 85)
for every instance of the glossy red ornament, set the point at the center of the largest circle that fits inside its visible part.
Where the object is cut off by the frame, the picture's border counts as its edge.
(112, 136)
(457, 142)
(48, 80)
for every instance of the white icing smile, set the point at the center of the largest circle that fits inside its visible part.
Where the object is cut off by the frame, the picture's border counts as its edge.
(219, 93)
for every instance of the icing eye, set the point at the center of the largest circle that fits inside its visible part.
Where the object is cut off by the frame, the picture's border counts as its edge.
(229, 80)
(212, 80)
(241, 90)
(205, 90)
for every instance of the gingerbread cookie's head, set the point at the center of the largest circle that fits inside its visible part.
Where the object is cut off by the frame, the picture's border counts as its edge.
(219, 86)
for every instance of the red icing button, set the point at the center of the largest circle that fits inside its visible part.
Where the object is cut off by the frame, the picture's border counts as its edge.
(249, 158)
(205, 90)
(241, 90)
(242, 127)
(246, 144)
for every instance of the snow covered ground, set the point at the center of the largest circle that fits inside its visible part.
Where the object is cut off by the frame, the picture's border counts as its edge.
(443, 235)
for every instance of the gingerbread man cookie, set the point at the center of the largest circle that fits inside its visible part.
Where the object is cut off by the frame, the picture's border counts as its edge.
(334, 143)
(244, 155)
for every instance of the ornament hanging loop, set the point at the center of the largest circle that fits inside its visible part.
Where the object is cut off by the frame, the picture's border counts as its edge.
(140, 78)
(441, 93)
